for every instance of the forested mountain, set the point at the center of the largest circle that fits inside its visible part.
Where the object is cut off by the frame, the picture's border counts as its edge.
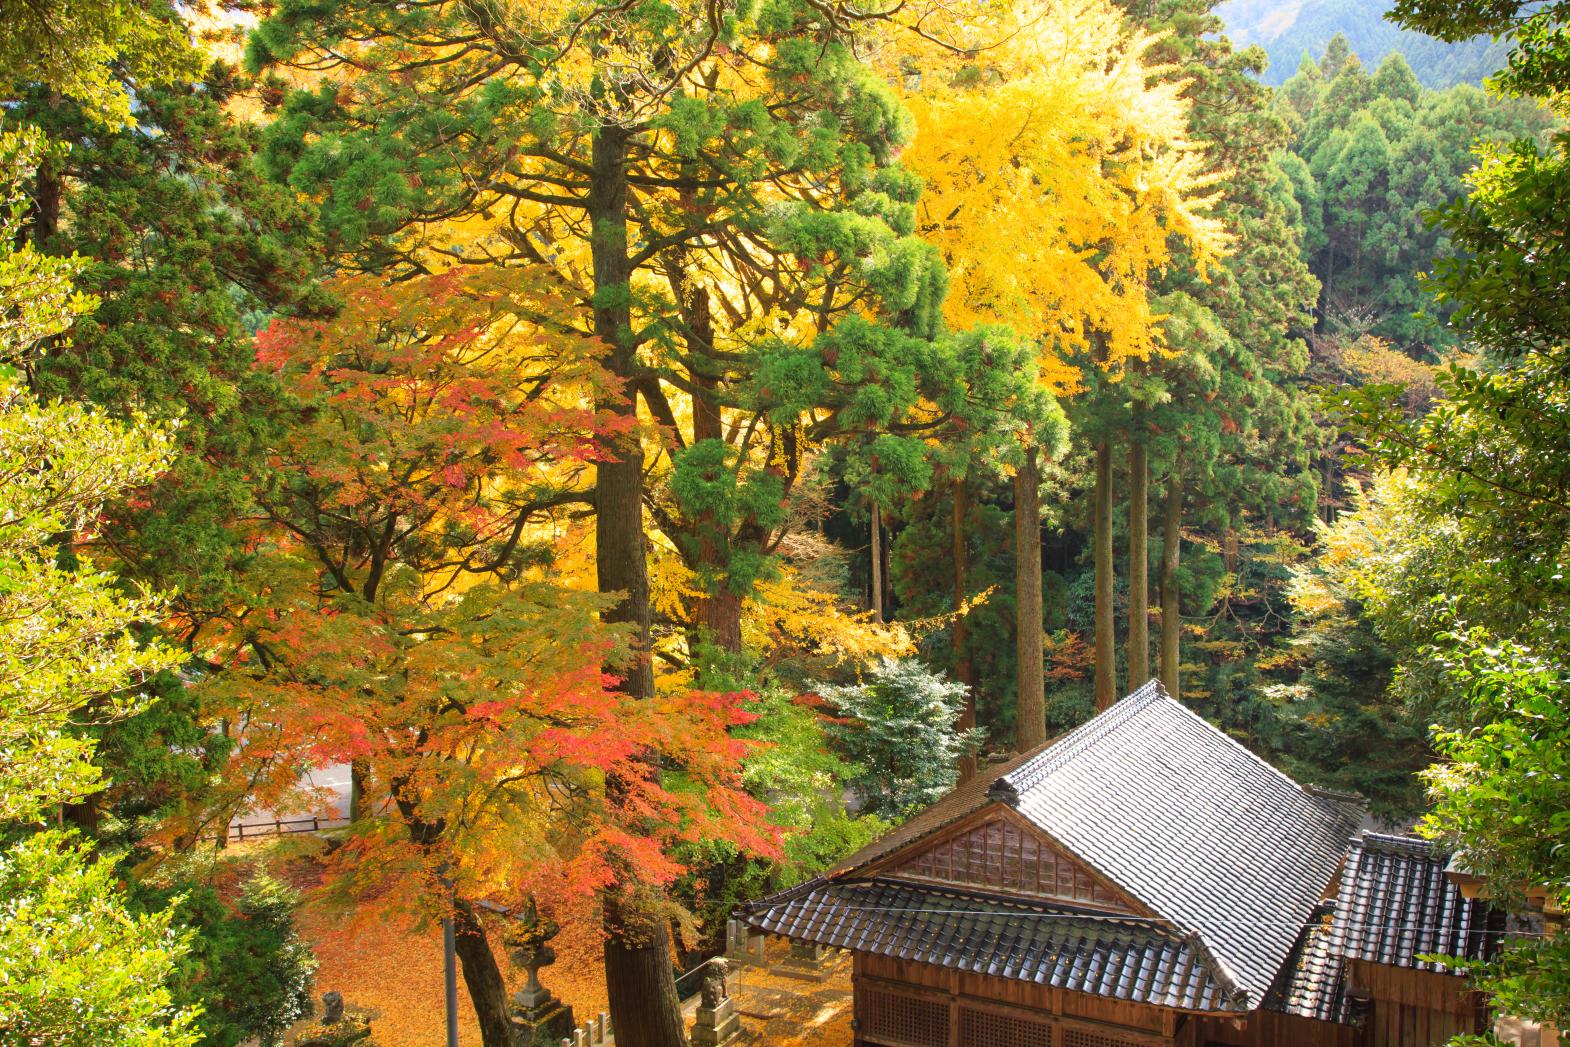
(1290, 29)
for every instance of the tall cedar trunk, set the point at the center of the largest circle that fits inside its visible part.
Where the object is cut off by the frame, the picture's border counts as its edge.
(638, 975)
(644, 1007)
(718, 613)
(1106, 636)
(1171, 551)
(964, 669)
(1138, 564)
(1030, 685)
(482, 977)
(875, 563)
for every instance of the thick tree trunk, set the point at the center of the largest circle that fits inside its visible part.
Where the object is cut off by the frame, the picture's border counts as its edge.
(620, 558)
(639, 979)
(1138, 565)
(964, 670)
(642, 1019)
(1030, 685)
(717, 614)
(875, 563)
(482, 977)
(1171, 551)
(1106, 636)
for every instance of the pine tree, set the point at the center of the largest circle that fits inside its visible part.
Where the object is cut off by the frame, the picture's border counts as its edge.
(900, 729)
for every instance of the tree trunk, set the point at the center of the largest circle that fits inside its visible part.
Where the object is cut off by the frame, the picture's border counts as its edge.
(639, 979)
(964, 670)
(620, 558)
(875, 563)
(1138, 564)
(1106, 637)
(482, 977)
(717, 613)
(1171, 551)
(622, 567)
(1030, 685)
(359, 770)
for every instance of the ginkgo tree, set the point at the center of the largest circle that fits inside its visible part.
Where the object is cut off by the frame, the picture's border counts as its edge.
(1050, 133)
(403, 616)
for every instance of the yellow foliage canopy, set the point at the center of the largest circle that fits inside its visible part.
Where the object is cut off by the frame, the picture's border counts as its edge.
(1058, 169)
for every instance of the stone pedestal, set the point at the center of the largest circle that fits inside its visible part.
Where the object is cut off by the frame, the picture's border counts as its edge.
(809, 961)
(717, 1025)
(743, 945)
(544, 1024)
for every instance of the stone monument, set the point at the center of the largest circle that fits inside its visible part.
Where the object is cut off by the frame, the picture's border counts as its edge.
(538, 1017)
(717, 1022)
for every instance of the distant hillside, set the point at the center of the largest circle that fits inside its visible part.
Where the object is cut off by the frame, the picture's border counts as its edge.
(1287, 29)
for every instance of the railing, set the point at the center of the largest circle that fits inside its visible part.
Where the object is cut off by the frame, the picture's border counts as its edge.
(283, 826)
(592, 1033)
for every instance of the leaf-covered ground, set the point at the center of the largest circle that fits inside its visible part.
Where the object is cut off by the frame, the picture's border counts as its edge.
(392, 972)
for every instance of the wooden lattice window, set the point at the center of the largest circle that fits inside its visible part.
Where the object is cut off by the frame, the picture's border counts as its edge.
(1080, 1038)
(1003, 856)
(903, 1021)
(989, 1029)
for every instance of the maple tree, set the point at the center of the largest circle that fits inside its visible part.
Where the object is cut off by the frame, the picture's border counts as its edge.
(723, 206)
(401, 616)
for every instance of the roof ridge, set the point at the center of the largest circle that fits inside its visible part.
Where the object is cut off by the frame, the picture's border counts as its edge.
(1399, 843)
(1225, 980)
(1008, 787)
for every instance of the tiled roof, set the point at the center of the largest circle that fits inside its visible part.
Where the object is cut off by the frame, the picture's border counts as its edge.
(1192, 824)
(1128, 958)
(1311, 986)
(1178, 815)
(1396, 905)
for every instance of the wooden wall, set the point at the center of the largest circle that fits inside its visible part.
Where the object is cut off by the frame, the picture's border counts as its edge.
(1415, 1008)
(902, 1003)
(1268, 1029)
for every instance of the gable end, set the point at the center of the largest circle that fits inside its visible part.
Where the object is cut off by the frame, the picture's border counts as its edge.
(997, 851)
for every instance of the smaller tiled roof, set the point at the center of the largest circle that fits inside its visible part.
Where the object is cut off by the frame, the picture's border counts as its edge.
(1311, 985)
(1126, 958)
(1396, 904)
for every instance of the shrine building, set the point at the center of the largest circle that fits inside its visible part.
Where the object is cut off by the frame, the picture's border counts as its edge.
(1143, 881)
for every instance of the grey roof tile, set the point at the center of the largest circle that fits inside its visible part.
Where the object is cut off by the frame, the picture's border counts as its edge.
(1192, 824)
(1127, 958)
(1396, 904)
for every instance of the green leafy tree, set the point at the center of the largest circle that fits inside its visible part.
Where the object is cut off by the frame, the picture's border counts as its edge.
(75, 966)
(77, 48)
(899, 729)
(1491, 467)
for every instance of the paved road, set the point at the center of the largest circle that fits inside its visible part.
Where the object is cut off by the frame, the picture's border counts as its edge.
(333, 778)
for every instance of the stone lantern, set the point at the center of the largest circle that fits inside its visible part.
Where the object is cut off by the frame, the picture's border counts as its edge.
(538, 1017)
